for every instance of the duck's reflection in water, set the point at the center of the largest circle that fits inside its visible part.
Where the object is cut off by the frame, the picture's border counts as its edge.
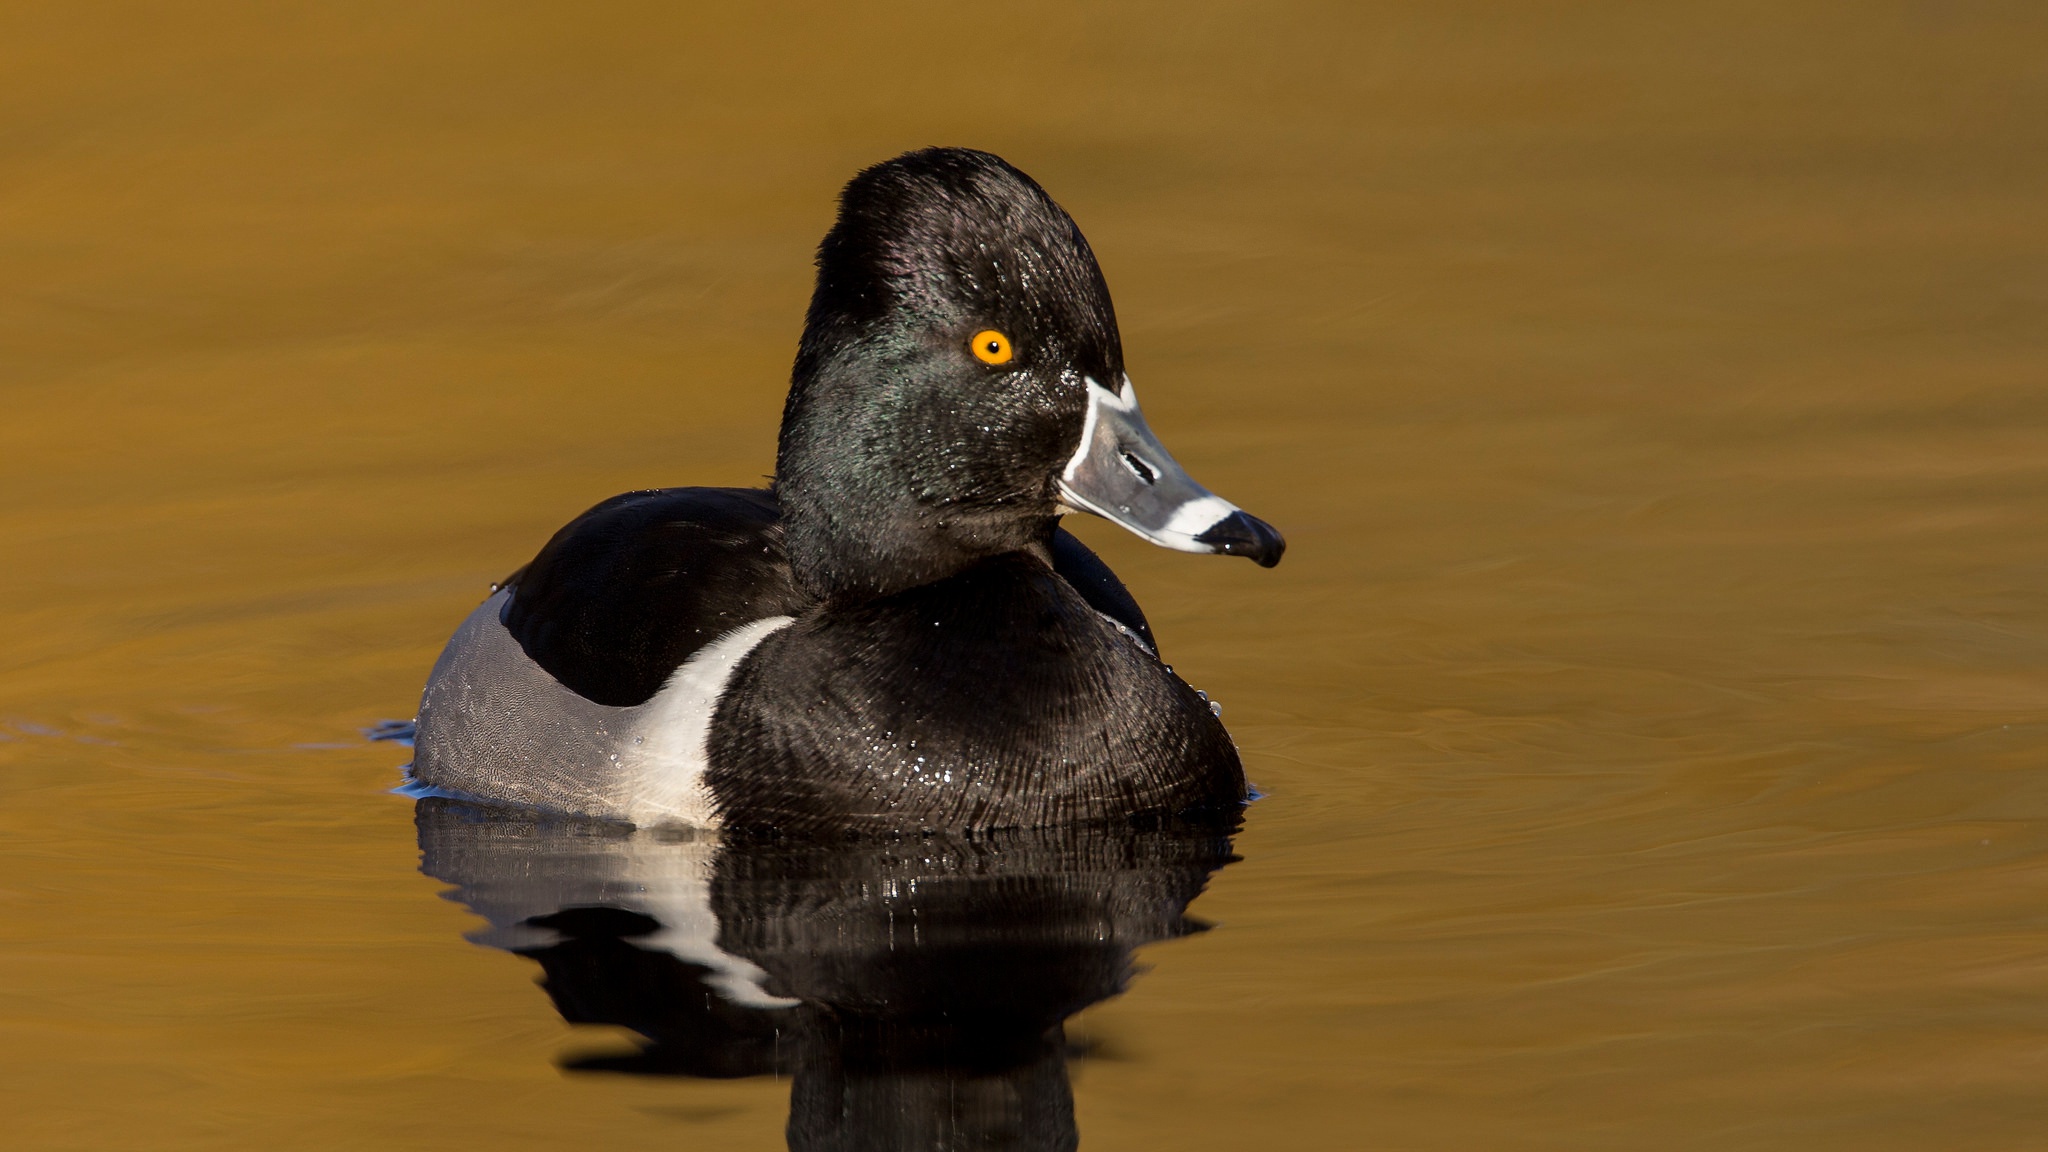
(914, 990)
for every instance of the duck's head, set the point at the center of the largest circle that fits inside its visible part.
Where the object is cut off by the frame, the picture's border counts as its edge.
(961, 383)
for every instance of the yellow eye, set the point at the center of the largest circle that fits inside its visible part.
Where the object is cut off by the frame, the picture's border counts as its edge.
(991, 347)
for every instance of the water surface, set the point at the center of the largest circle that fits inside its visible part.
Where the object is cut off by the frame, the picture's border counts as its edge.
(1651, 705)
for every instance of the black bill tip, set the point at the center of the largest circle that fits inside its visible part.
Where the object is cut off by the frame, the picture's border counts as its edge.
(1241, 534)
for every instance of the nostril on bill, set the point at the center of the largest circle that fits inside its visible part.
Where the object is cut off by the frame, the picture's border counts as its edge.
(1143, 471)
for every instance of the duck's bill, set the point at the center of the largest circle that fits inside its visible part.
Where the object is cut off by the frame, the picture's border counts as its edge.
(1122, 473)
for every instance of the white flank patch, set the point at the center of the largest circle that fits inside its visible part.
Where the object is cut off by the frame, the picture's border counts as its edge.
(667, 753)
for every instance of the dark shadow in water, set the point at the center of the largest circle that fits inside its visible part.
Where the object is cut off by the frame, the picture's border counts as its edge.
(914, 990)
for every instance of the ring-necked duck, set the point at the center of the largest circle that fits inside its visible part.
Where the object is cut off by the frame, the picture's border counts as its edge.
(897, 635)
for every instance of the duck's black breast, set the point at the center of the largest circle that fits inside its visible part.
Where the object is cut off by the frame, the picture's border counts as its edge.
(998, 697)
(628, 591)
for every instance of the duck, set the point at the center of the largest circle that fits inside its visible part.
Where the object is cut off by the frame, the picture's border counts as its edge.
(896, 635)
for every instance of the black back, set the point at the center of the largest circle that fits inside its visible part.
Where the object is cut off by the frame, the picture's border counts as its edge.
(1098, 585)
(624, 593)
(628, 591)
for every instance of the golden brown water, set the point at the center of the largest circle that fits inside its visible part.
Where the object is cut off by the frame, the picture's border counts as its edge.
(1652, 704)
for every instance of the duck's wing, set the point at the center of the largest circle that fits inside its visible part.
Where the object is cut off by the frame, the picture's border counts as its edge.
(627, 591)
(1090, 577)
